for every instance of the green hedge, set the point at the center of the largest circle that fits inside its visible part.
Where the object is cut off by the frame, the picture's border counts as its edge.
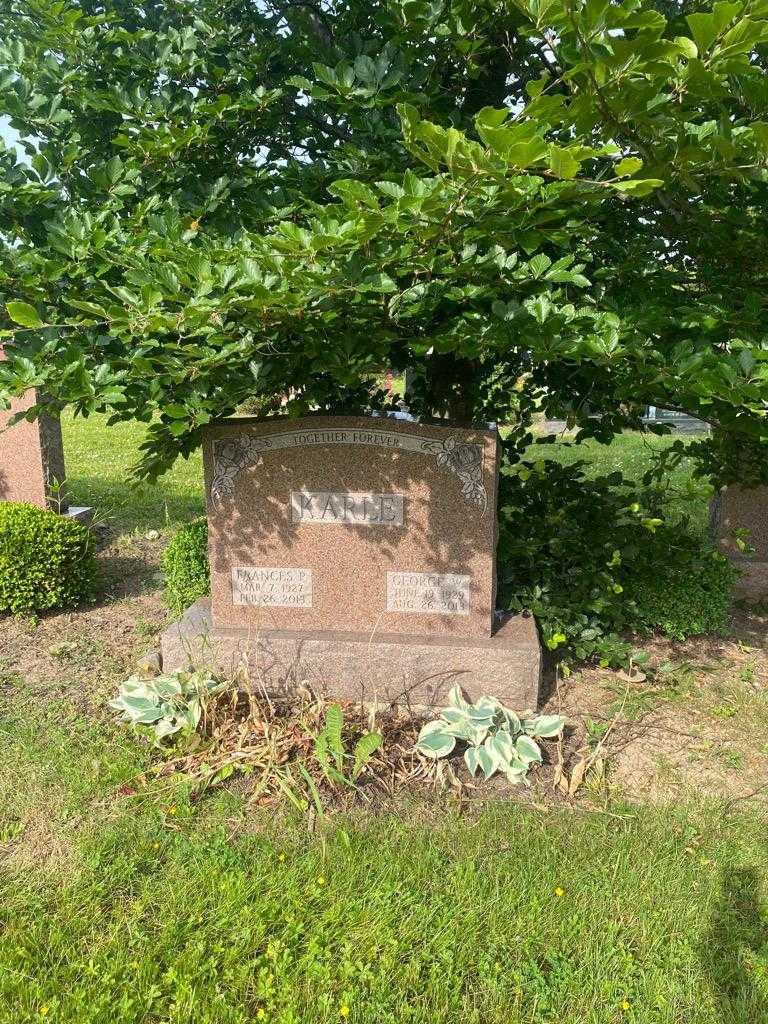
(689, 601)
(185, 563)
(46, 560)
(595, 561)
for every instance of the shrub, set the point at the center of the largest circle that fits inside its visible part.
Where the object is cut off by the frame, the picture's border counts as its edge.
(185, 563)
(46, 560)
(686, 600)
(594, 561)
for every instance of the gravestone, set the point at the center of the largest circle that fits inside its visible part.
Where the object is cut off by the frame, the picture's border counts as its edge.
(32, 460)
(735, 508)
(356, 554)
(681, 422)
(31, 457)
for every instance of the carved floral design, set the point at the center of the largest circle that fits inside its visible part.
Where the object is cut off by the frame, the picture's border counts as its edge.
(465, 461)
(229, 458)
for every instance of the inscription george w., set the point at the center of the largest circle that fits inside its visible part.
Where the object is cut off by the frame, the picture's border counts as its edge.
(353, 508)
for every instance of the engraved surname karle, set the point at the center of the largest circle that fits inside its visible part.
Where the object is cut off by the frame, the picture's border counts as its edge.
(271, 587)
(428, 593)
(349, 508)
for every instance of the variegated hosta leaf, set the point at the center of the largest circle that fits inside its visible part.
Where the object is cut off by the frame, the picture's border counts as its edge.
(456, 698)
(135, 687)
(454, 715)
(435, 744)
(544, 726)
(516, 775)
(503, 746)
(487, 760)
(527, 750)
(461, 730)
(477, 734)
(436, 725)
(167, 687)
(479, 712)
(167, 727)
(487, 704)
(472, 760)
(514, 724)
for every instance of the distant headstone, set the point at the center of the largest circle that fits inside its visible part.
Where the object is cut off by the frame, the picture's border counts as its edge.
(681, 422)
(31, 457)
(741, 508)
(357, 553)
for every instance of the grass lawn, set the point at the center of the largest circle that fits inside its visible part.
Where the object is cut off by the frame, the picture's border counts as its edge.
(99, 460)
(152, 908)
(128, 904)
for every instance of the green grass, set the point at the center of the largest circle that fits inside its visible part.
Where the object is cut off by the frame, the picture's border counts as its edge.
(152, 908)
(99, 460)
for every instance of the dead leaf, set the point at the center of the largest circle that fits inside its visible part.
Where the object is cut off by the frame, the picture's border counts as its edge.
(577, 776)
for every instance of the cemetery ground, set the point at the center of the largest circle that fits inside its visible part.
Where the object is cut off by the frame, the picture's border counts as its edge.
(639, 897)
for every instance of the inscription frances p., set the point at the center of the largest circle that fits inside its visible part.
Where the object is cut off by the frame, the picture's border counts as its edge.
(270, 587)
(351, 508)
(428, 593)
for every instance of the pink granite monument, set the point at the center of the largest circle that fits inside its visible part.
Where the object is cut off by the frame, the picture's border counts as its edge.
(356, 554)
(31, 457)
(741, 508)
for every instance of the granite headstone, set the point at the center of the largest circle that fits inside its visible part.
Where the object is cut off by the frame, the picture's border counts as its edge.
(31, 456)
(358, 553)
(742, 508)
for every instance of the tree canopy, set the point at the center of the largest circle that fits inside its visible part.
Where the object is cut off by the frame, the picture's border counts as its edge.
(537, 202)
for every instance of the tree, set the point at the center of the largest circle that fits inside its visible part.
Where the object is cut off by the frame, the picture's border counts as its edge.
(537, 202)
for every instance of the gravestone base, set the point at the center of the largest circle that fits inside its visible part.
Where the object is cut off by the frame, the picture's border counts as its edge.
(80, 513)
(368, 667)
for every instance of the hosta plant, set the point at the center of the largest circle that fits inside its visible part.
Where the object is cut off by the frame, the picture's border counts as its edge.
(165, 703)
(497, 740)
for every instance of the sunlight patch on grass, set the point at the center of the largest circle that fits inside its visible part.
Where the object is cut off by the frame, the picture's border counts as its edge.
(99, 461)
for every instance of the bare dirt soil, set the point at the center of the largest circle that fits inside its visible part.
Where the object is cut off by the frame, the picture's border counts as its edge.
(698, 722)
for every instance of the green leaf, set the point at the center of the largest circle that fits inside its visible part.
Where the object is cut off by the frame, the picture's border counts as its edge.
(687, 47)
(706, 27)
(334, 723)
(378, 283)
(629, 165)
(562, 163)
(353, 192)
(24, 314)
(435, 744)
(491, 117)
(638, 187)
(365, 747)
(520, 145)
